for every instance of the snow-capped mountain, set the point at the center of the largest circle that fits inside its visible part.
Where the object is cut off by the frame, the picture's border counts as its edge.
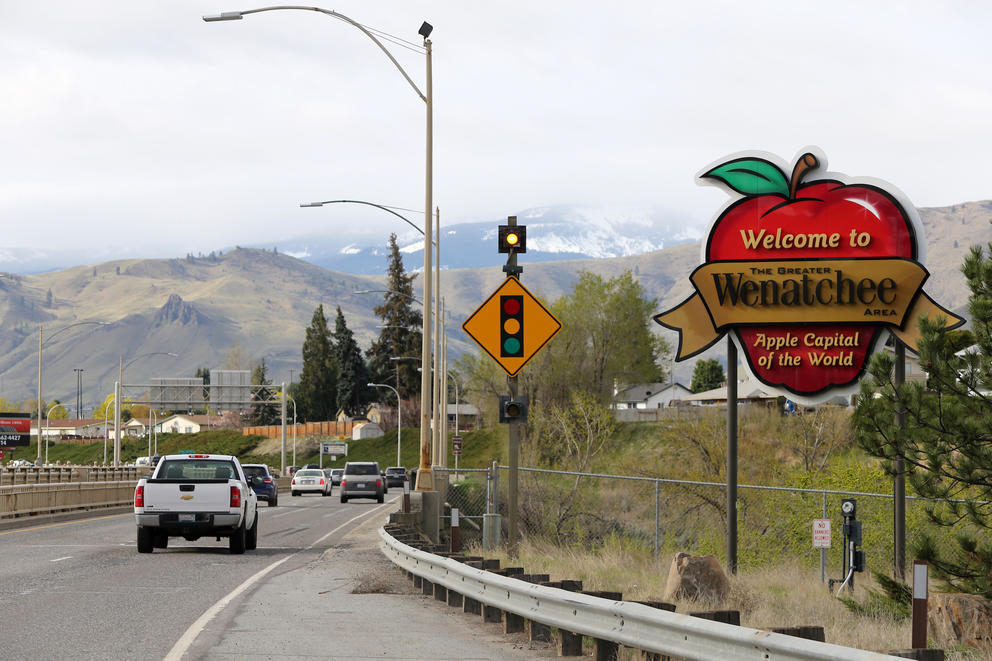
(553, 233)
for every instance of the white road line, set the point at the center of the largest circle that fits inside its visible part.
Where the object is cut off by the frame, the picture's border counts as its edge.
(61, 559)
(189, 637)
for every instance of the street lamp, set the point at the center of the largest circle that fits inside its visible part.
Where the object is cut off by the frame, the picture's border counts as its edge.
(41, 344)
(48, 420)
(398, 425)
(106, 431)
(425, 477)
(119, 393)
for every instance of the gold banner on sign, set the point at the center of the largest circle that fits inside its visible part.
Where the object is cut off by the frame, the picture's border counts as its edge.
(753, 293)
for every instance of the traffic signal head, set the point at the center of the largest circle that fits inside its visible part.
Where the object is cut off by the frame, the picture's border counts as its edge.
(513, 238)
(849, 508)
(512, 410)
(511, 326)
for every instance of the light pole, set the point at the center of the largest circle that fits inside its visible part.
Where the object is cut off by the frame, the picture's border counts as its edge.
(425, 477)
(119, 393)
(41, 344)
(290, 398)
(436, 386)
(398, 424)
(106, 430)
(48, 420)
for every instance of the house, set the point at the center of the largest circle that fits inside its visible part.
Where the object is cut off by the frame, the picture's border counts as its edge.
(747, 391)
(462, 417)
(70, 429)
(186, 423)
(649, 395)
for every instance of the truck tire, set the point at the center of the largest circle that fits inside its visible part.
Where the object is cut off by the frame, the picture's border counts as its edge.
(238, 540)
(145, 540)
(251, 537)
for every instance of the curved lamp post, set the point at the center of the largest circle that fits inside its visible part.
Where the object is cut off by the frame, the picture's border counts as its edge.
(48, 421)
(119, 396)
(106, 431)
(398, 425)
(425, 477)
(41, 344)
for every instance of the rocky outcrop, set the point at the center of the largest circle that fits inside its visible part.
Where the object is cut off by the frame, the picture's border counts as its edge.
(960, 619)
(696, 577)
(176, 310)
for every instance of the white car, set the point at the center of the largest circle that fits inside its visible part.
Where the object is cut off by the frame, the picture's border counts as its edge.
(310, 480)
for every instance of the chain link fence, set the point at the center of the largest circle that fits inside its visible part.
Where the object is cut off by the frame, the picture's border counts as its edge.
(656, 515)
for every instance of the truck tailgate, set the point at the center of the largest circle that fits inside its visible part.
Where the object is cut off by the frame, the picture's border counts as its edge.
(204, 495)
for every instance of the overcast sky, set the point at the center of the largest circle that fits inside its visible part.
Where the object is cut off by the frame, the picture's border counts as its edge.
(135, 122)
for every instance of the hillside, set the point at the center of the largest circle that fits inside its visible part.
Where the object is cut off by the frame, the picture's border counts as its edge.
(262, 302)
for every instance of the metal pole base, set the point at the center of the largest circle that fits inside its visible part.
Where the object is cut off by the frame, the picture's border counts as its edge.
(425, 479)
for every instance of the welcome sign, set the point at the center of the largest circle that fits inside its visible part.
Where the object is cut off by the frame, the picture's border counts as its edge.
(805, 268)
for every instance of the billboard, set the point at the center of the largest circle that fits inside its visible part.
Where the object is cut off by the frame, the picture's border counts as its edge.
(15, 429)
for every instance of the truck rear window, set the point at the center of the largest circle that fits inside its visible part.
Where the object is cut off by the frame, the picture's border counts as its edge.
(196, 469)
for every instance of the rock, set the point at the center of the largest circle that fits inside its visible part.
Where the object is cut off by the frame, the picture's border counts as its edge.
(960, 619)
(696, 577)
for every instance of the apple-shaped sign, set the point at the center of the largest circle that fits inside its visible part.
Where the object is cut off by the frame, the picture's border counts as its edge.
(805, 268)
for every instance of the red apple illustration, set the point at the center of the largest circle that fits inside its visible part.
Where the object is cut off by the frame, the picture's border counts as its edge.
(773, 223)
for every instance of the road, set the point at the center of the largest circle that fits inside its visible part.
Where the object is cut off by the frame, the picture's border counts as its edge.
(316, 587)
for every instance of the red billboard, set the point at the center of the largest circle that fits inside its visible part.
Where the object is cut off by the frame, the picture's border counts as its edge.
(15, 429)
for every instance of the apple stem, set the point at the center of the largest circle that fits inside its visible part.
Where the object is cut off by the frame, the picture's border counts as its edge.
(806, 163)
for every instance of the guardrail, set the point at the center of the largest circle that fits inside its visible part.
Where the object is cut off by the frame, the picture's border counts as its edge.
(641, 627)
(22, 500)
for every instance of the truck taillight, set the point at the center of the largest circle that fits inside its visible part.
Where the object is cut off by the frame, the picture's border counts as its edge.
(139, 496)
(235, 497)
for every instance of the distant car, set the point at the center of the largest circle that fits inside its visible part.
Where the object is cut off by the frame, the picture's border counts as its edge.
(262, 482)
(336, 474)
(310, 480)
(362, 479)
(395, 476)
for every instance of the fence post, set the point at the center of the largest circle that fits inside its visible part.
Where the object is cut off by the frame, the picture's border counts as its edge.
(456, 545)
(657, 519)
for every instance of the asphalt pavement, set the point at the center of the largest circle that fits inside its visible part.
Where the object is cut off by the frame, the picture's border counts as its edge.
(350, 602)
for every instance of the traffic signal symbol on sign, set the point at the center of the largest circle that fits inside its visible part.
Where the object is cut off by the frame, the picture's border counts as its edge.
(511, 331)
(498, 326)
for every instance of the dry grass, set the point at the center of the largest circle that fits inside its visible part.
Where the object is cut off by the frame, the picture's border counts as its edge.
(787, 595)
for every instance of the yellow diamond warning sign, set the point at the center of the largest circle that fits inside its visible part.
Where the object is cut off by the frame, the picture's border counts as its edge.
(511, 326)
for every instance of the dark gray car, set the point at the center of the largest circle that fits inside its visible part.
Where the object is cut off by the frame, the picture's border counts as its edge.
(362, 479)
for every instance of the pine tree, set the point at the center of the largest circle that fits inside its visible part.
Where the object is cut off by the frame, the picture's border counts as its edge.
(707, 375)
(353, 376)
(401, 334)
(262, 414)
(317, 391)
(945, 443)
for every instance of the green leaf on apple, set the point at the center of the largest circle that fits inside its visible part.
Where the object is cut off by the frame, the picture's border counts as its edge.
(751, 176)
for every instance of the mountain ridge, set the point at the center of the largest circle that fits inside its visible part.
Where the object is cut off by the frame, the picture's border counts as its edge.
(257, 304)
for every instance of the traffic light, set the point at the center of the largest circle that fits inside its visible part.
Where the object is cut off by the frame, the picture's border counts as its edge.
(513, 238)
(511, 326)
(512, 410)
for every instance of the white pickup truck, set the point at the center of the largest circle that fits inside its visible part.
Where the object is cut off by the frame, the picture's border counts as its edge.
(193, 496)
